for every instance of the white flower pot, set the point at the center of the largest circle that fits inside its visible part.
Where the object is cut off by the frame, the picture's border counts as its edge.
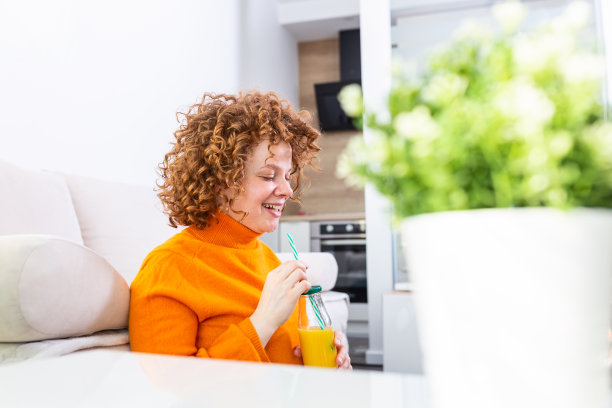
(513, 305)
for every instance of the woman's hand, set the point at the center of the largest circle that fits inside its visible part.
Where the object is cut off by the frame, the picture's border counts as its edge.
(280, 294)
(343, 360)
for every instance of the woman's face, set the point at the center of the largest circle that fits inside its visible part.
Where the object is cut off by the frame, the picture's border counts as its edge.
(266, 187)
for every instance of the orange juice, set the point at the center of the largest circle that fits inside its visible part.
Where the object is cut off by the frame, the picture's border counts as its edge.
(318, 346)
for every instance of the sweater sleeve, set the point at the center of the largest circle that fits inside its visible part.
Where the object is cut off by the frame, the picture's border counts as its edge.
(160, 324)
(161, 321)
(238, 342)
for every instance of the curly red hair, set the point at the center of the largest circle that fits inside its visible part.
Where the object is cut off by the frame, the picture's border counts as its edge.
(212, 144)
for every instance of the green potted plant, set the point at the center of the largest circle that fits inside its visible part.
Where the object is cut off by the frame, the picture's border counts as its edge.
(497, 159)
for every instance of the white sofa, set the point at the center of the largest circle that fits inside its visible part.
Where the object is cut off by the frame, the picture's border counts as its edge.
(69, 248)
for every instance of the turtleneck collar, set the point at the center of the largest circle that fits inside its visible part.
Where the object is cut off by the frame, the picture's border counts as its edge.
(227, 232)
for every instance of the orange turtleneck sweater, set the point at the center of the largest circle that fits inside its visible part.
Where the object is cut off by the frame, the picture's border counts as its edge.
(194, 294)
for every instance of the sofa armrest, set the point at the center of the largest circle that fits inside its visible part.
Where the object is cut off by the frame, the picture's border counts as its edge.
(322, 267)
(337, 304)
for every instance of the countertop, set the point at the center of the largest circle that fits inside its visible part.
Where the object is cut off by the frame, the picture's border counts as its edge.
(104, 378)
(324, 217)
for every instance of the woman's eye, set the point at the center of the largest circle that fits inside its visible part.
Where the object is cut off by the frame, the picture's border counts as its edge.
(267, 178)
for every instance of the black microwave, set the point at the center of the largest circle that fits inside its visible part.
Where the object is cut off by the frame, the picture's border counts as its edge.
(331, 115)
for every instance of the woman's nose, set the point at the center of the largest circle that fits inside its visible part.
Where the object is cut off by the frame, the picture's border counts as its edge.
(284, 189)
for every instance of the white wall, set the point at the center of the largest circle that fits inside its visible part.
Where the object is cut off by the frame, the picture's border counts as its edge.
(93, 87)
(269, 51)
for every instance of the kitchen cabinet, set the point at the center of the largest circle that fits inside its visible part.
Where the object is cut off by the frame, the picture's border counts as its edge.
(278, 241)
(300, 232)
(271, 239)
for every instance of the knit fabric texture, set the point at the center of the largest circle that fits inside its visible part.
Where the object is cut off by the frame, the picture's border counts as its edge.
(194, 294)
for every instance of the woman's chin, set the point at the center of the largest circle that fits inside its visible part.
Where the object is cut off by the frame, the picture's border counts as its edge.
(271, 227)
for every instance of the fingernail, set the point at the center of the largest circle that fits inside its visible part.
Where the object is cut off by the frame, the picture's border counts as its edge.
(340, 360)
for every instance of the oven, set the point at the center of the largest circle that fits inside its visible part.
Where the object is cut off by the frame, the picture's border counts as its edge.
(346, 241)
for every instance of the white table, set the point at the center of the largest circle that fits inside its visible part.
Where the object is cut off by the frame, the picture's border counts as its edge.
(102, 378)
(400, 334)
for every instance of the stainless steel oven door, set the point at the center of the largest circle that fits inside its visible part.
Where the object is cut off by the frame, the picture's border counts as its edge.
(350, 254)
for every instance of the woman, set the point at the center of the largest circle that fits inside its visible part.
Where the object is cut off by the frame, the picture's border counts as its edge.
(214, 290)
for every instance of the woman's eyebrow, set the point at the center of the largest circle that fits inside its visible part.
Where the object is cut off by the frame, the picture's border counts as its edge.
(270, 166)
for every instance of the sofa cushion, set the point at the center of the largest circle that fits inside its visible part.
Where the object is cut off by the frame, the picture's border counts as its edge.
(36, 202)
(121, 222)
(53, 288)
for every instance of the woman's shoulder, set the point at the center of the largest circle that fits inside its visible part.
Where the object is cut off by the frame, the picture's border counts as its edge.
(179, 243)
(174, 253)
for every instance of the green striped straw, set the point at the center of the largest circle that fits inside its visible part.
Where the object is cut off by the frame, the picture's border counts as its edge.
(312, 302)
(292, 244)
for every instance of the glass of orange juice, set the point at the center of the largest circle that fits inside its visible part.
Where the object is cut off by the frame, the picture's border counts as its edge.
(315, 330)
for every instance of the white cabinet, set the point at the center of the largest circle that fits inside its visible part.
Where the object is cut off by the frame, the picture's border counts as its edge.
(401, 346)
(272, 240)
(300, 232)
(278, 241)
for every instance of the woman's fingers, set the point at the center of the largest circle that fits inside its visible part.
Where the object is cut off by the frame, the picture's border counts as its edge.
(343, 360)
(339, 340)
(287, 268)
(296, 276)
(300, 287)
(298, 282)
